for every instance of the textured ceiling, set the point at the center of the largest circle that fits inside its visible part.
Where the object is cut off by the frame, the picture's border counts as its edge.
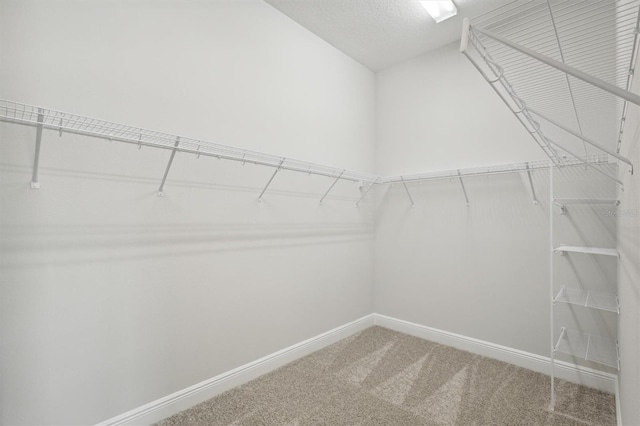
(380, 33)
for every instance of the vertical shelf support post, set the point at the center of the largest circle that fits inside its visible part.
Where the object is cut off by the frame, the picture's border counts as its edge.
(551, 295)
(270, 180)
(36, 159)
(166, 172)
(331, 187)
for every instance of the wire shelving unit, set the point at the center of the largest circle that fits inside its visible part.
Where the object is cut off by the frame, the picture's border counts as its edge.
(564, 68)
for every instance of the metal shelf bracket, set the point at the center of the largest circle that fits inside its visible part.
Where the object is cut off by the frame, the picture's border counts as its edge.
(408, 193)
(364, 193)
(275, 172)
(166, 172)
(464, 190)
(331, 187)
(533, 191)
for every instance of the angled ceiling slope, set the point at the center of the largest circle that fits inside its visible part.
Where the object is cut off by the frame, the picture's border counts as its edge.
(380, 33)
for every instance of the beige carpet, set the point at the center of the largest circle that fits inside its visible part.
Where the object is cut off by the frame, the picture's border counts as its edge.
(382, 377)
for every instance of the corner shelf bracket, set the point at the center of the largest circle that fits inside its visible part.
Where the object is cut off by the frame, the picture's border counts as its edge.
(364, 193)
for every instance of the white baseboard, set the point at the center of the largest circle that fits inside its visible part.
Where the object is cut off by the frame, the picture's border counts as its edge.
(185, 398)
(563, 370)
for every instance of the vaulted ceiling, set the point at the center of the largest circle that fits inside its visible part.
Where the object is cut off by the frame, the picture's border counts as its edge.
(380, 33)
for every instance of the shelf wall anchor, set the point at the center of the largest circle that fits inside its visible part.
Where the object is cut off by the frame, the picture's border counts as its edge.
(270, 180)
(563, 209)
(36, 159)
(166, 172)
(331, 187)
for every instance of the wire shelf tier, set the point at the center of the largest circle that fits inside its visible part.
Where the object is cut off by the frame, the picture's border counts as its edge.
(589, 347)
(73, 123)
(562, 112)
(589, 299)
(588, 250)
(567, 201)
(494, 170)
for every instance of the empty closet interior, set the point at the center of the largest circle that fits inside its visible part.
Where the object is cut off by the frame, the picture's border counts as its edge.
(195, 193)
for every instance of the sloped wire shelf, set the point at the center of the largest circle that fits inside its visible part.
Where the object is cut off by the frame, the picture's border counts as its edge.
(562, 112)
(589, 347)
(589, 299)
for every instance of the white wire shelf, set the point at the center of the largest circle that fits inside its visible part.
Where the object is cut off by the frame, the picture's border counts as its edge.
(567, 201)
(562, 203)
(72, 123)
(589, 347)
(44, 118)
(597, 159)
(589, 299)
(588, 250)
(564, 68)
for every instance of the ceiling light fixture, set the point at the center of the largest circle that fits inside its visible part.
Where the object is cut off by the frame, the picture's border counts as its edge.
(440, 9)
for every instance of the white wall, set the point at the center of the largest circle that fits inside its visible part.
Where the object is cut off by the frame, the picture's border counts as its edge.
(436, 112)
(483, 270)
(629, 271)
(112, 297)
